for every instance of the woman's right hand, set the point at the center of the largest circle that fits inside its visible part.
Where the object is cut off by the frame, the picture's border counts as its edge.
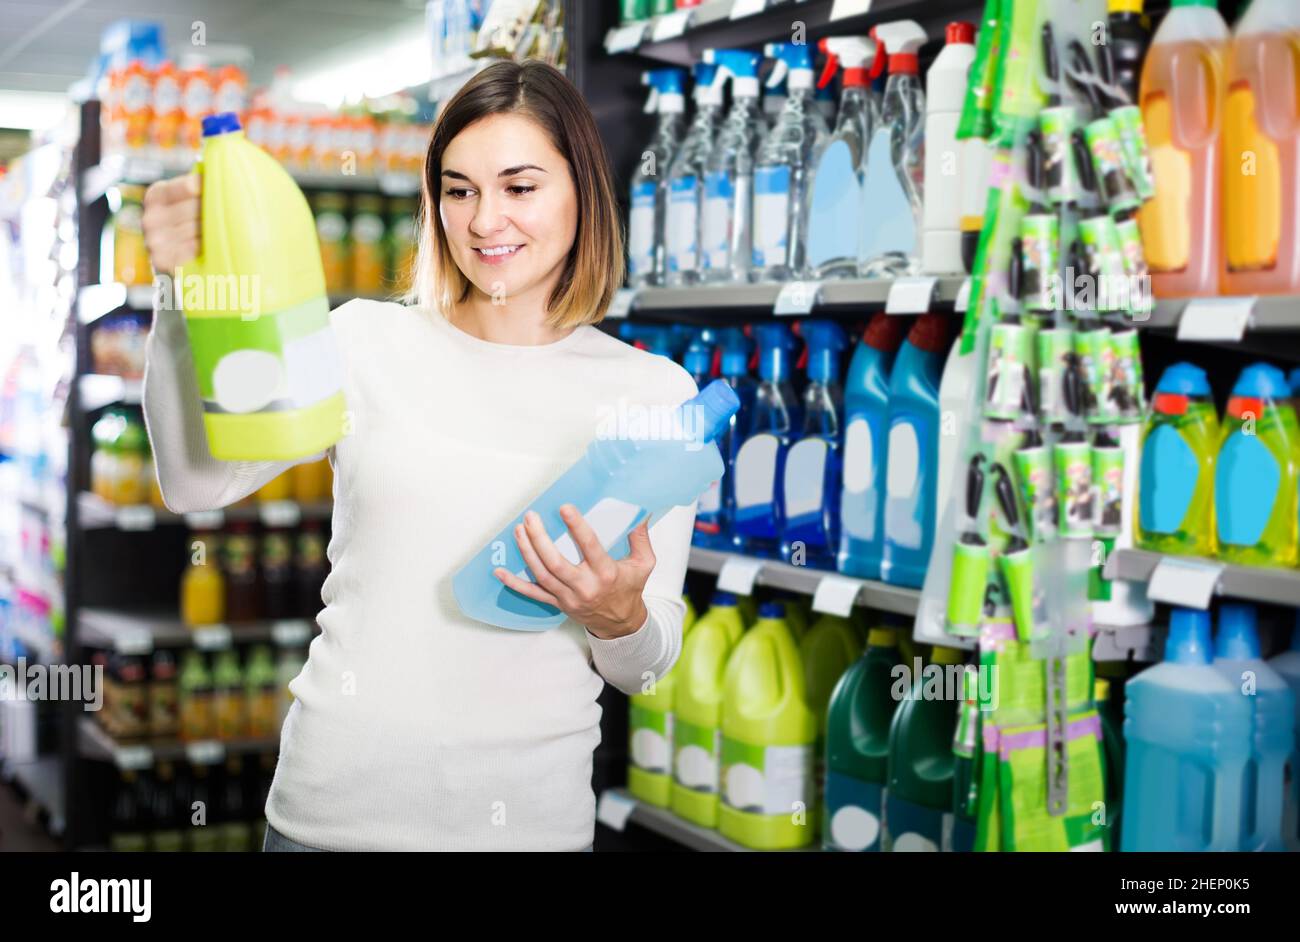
(171, 222)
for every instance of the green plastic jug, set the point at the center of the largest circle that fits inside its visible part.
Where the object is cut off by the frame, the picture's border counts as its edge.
(650, 735)
(256, 311)
(768, 733)
(828, 650)
(697, 710)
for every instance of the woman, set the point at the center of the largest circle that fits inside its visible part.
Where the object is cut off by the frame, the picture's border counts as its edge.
(414, 727)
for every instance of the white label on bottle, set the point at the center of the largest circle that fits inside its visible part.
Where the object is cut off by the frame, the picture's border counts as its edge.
(836, 595)
(682, 223)
(901, 477)
(641, 229)
(771, 215)
(610, 519)
(805, 476)
(781, 785)
(755, 470)
(711, 499)
(614, 808)
(718, 195)
(859, 462)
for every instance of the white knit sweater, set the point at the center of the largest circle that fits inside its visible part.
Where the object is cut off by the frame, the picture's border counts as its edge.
(413, 726)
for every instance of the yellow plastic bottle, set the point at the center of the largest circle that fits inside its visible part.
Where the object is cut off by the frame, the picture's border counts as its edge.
(650, 736)
(203, 588)
(256, 310)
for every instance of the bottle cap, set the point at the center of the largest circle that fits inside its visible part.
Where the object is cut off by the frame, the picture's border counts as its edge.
(725, 599)
(884, 333)
(223, 123)
(882, 637)
(944, 655)
(961, 32)
(1262, 381)
(771, 610)
(1189, 636)
(929, 333)
(1124, 6)
(1238, 637)
(1184, 379)
(719, 403)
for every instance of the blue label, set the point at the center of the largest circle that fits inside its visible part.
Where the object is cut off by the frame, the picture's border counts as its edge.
(772, 181)
(682, 190)
(1169, 472)
(852, 812)
(718, 185)
(643, 195)
(1246, 479)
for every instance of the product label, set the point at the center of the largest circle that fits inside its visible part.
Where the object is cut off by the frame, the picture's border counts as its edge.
(641, 230)
(1039, 238)
(1105, 259)
(1074, 488)
(1010, 346)
(682, 224)
(719, 194)
(1136, 153)
(1054, 349)
(1125, 396)
(852, 813)
(697, 756)
(1056, 125)
(766, 779)
(859, 500)
(651, 736)
(1108, 165)
(771, 215)
(805, 476)
(903, 520)
(755, 471)
(1108, 478)
(1034, 472)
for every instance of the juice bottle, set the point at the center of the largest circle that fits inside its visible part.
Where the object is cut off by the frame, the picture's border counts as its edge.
(261, 692)
(196, 697)
(1261, 165)
(243, 596)
(137, 105)
(164, 696)
(369, 258)
(103, 461)
(167, 112)
(197, 93)
(311, 481)
(228, 695)
(203, 588)
(1182, 108)
(278, 588)
(278, 488)
(335, 247)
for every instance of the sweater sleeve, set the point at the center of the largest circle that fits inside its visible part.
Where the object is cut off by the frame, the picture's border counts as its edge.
(188, 476)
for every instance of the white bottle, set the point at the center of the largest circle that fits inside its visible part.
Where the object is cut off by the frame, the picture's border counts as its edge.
(945, 89)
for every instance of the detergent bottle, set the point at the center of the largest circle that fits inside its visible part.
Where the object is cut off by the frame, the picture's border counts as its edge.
(913, 452)
(645, 225)
(697, 710)
(760, 461)
(1256, 473)
(734, 363)
(659, 339)
(727, 231)
(686, 182)
(1188, 736)
(1236, 657)
(829, 648)
(866, 440)
(1176, 475)
(267, 364)
(796, 611)
(945, 85)
(1182, 110)
(1287, 666)
(710, 514)
(1261, 209)
(811, 482)
(651, 735)
(768, 733)
(858, 718)
(918, 798)
(618, 483)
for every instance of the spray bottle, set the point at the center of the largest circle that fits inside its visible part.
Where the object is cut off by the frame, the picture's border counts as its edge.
(686, 182)
(735, 348)
(729, 177)
(645, 229)
(709, 513)
(945, 89)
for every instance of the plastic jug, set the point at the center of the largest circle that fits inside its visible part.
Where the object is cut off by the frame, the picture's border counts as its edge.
(615, 485)
(829, 648)
(1176, 477)
(1188, 735)
(1256, 473)
(768, 733)
(1287, 665)
(265, 358)
(652, 735)
(913, 450)
(697, 710)
(1182, 111)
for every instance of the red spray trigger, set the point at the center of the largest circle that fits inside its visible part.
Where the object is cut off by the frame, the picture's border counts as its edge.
(877, 63)
(828, 73)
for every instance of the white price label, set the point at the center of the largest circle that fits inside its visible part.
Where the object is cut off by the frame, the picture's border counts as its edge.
(279, 513)
(1216, 319)
(911, 295)
(621, 304)
(135, 517)
(614, 808)
(132, 758)
(1184, 582)
(212, 637)
(842, 8)
(738, 575)
(205, 520)
(625, 38)
(290, 632)
(962, 304)
(672, 25)
(836, 595)
(742, 8)
(796, 298)
(205, 752)
(133, 640)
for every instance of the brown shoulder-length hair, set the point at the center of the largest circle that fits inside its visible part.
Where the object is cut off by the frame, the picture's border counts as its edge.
(594, 270)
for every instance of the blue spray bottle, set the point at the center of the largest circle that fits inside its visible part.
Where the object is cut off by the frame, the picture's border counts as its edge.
(645, 226)
(725, 229)
(698, 361)
(760, 461)
(811, 483)
(735, 349)
(617, 484)
(912, 472)
(657, 338)
(866, 440)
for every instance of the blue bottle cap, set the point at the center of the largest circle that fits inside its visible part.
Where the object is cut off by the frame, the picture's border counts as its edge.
(1262, 381)
(1238, 637)
(223, 123)
(1189, 636)
(1184, 379)
(719, 402)
(735, 363)
(723, 598)
(771, 610)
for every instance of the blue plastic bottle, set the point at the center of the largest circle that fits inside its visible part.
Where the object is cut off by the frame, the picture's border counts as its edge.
(657, 338)
(735, 347)
(1236, 657)
(866, 407)
(709, 513)
(811, 482)
(913, 452)
(616, 484)
(760, 461)
(1188, 735)
(1293, 380)
(1287, 665)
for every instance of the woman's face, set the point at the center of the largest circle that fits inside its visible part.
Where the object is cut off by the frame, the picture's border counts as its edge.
(508, 206)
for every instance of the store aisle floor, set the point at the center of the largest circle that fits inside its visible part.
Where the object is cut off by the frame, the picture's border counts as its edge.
(19, 831)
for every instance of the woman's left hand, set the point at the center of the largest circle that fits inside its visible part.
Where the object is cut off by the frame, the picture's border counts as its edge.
(598, 593)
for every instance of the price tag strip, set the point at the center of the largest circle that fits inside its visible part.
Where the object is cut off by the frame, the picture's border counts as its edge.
(843, 8)
(279, 513)
(738, 575)
(743, 8)
(136, 517)
(672, 25)
(1189, 583)
(621, 305)
(911, 295)
(836, 595)
(614, 809)
(205, 752)
(797, 298)
(626, 38)
(205, 520)
(1216, 319)
(290, 632)
(212, 637)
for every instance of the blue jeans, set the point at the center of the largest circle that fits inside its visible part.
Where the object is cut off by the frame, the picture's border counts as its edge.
(275, 841)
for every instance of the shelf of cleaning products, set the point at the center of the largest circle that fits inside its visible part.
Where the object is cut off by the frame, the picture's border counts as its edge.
(103, 389)
(832, 296)
(94, 742)
(666, 824)
(42, 780)
(1254, 583)
(804, 580)
(95, 513)
(140, 632)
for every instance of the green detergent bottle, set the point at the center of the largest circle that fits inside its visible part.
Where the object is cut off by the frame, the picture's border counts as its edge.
(828, 650)
(650, 736)
(256, 311)
(919, 797)
(797, 611)
(697, 710)
(1176, 473)
(1256, 473)
(768, 733)
(748, 609)
(688, 620)
(857, 746)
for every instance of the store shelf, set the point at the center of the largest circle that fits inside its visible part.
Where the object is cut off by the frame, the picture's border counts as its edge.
(1267, 314)
(96, 301)
(804, 580)
(102, 389)
(94, 742)
(95, 513)
(141, 632)
(42, 780)
(1256, 584)
(666, 824)
(1143, 644)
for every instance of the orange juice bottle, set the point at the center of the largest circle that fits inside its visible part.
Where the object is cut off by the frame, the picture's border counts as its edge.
(231, 91)
(196, 102)
(1261, 166)
(1182, 107)
(203, 588)
(136, 106)
(167, 112)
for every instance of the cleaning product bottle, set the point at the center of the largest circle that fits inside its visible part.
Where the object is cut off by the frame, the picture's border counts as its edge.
(811, 482)
(645, 226)
(709, 512)
(265, 358)
(697, 710)
(783, 166)
(1128, 33)
(1261, 208)
(945, 90)
(768, 733)
(760, 461)
(834, 224)
(1287, 666)
(918, 797)
(1182, 107)
(617, 484)
(1188, 736)
(830, 648)
(891, 190)
(1176, 480)
(824, 101)
(735, 348)
(866, 441)
(686, 181)
(1256, 473)
(657, 338)
(1236, 657)
(913, 452)
(688, 618)
(727, 237)
(652, 735)
(858, 718)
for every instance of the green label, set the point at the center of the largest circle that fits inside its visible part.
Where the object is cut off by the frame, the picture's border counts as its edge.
(1108, 478)
(1108, 164)
(1054, 348)
(970, 570)
(1056, 125)
(1140, 300)
(1037, 491)
(1136, 153)
(651, 737)
(1009, 360)
(697, 752)
(1074, 494)
(1090, 349)
(1105, 263)
(1039, 246)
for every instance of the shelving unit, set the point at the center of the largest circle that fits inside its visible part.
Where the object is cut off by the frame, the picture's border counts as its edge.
(96, 513)
(94, 743)
(666, 824)
(1252, 583)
